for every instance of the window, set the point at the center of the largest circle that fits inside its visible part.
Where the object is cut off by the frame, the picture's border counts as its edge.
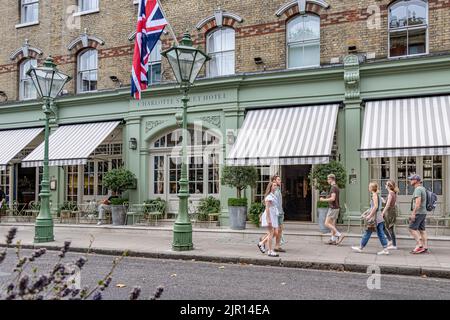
(4, 182)
(89, 178)
(158, 173)
(406, 166)
(87, 71)
(213, 174)
(174, 174)
(408, 24)
(26, 87)
(29, 11)
(432, 174)
(380, 172)
(102, 168)
(261, 184)
(154, 69)
(220, 45)
(88, 5)
(303, 41)
(72, 183)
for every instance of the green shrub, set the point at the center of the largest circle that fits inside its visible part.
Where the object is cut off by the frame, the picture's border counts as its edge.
(157, 204)
(237, 202)
(118, 201)
(207, 206)
(119, 180)
(255, 210)
(239, 178)
(319, 175)
(69, 206)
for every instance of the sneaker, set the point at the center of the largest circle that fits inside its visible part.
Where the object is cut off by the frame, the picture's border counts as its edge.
(391, 247)
(279, 250)
(383, 252)
(331, 242)
(340, 239)
(425, 250)
(418, 250)
(261, 248)
(357, 249)
(272, 254)
(99, 223)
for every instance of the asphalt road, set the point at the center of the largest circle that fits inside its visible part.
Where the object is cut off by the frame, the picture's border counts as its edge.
(199, 280)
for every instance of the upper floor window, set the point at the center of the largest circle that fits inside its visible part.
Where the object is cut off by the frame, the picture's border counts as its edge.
(303, 41)
(87, 71)
(220, 45)
(154, 69)
(26, 88)
(88, 5)
(408, 28)
(29, 11)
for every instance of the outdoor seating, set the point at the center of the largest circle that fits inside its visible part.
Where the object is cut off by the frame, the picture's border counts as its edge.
(351, 219)
(135, 214)
(153, 212)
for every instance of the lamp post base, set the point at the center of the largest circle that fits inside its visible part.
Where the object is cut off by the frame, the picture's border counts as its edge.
(44, 231)
(182, 237)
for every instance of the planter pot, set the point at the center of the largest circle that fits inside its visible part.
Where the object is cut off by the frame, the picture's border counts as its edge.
(119, 215)
(322, 214)
(238, 217)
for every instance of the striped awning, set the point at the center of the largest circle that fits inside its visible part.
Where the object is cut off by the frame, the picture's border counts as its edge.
(406, 127)
(285, 136)
(71, 144)
(14, 141)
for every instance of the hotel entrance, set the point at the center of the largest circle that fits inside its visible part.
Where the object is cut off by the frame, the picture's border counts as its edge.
(297, 195)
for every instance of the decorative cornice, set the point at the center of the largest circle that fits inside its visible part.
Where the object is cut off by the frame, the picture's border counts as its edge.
(214, 120)
(217, 15)
(289, 5)
(85, 40)
(352, 77)
(149, 125)
(25, 51)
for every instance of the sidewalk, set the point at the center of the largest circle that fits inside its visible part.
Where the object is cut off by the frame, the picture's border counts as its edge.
(304, 249)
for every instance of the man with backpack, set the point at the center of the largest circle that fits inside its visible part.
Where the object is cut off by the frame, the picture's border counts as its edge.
(418, 215)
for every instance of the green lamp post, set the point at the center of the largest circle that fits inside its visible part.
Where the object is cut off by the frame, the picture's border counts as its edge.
(186, 63)
(49, 83)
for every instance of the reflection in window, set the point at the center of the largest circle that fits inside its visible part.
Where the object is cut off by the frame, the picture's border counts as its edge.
(87, 70)
(27, 89)
(432, 174)
(220, 45)
(88, 5)
(380, 172)
(261, 184)
(303, 41)
(154, 65)
(29, 11)
(408, 28)
(406, 166)
(158, 175)
(72, 183)
(89, 178)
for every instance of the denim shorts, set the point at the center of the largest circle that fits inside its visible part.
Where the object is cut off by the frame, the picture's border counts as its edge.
(419, 222)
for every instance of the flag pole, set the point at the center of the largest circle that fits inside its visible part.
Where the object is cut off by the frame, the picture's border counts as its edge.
(168, 24)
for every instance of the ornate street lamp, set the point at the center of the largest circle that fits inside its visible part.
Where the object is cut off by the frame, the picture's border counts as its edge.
(49, 83)
(186, 63)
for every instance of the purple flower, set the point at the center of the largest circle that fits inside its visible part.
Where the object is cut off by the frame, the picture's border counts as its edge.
(97, 296)
(106, 284)
(11, 235)
(23, 285)
(10, 287)
(40, 284)
(81, 262)
(64, 249)
(2, 256)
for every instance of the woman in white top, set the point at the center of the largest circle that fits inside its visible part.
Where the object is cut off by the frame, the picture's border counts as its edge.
(269, 219)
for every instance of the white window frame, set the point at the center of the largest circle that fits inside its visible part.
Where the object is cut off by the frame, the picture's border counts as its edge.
(23, 80)
(153, 61)
(217, 53)
(80, 72)
(303, 43)
(408, 29)
(23, 6)
(82, 11)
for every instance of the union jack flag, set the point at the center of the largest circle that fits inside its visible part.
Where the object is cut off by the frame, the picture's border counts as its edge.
(150, 25)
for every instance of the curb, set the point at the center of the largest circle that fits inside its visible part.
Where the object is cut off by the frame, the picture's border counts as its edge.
(307, 265)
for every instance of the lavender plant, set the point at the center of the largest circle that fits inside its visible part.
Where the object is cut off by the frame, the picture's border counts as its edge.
(58, 283)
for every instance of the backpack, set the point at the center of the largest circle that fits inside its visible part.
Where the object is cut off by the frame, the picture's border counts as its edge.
(432, 199)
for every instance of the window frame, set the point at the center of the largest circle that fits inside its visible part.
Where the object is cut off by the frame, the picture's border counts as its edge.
(304, 42)
(82, 11)
(79, 72)
(26, 79)
(153, 63)
(216, 53)
(22, 12)
(408, 29)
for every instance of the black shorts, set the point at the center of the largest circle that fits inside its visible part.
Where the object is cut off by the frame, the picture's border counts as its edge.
(419, 223)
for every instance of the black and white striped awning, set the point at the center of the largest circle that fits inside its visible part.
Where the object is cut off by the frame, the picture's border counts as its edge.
(285, 136)
(406, 127)
(13, 141)
(71, 144)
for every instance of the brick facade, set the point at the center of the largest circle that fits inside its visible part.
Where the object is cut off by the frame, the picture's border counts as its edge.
(261, 33)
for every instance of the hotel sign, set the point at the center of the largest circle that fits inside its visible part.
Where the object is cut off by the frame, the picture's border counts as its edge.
(175, 102)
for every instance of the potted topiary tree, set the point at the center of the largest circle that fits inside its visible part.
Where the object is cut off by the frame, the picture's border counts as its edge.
(239, 178)
(319, 176)
(119, 180)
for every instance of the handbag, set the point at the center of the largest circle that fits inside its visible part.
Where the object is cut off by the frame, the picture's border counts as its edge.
(371, 224)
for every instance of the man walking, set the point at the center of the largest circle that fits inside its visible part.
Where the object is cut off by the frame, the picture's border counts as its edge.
(333, 211)
(418, 215)
(2, 197)
(277, 180)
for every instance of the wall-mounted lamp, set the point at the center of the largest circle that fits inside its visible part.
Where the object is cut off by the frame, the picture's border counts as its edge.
(132, 144)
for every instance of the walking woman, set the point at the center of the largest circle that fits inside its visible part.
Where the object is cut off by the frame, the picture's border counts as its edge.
(377, 218)
(269, 219)
(389, 213)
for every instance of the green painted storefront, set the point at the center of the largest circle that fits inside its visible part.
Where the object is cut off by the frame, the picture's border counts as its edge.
(220, 105)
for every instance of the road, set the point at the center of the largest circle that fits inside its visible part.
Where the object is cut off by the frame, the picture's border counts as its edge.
(199, 280)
